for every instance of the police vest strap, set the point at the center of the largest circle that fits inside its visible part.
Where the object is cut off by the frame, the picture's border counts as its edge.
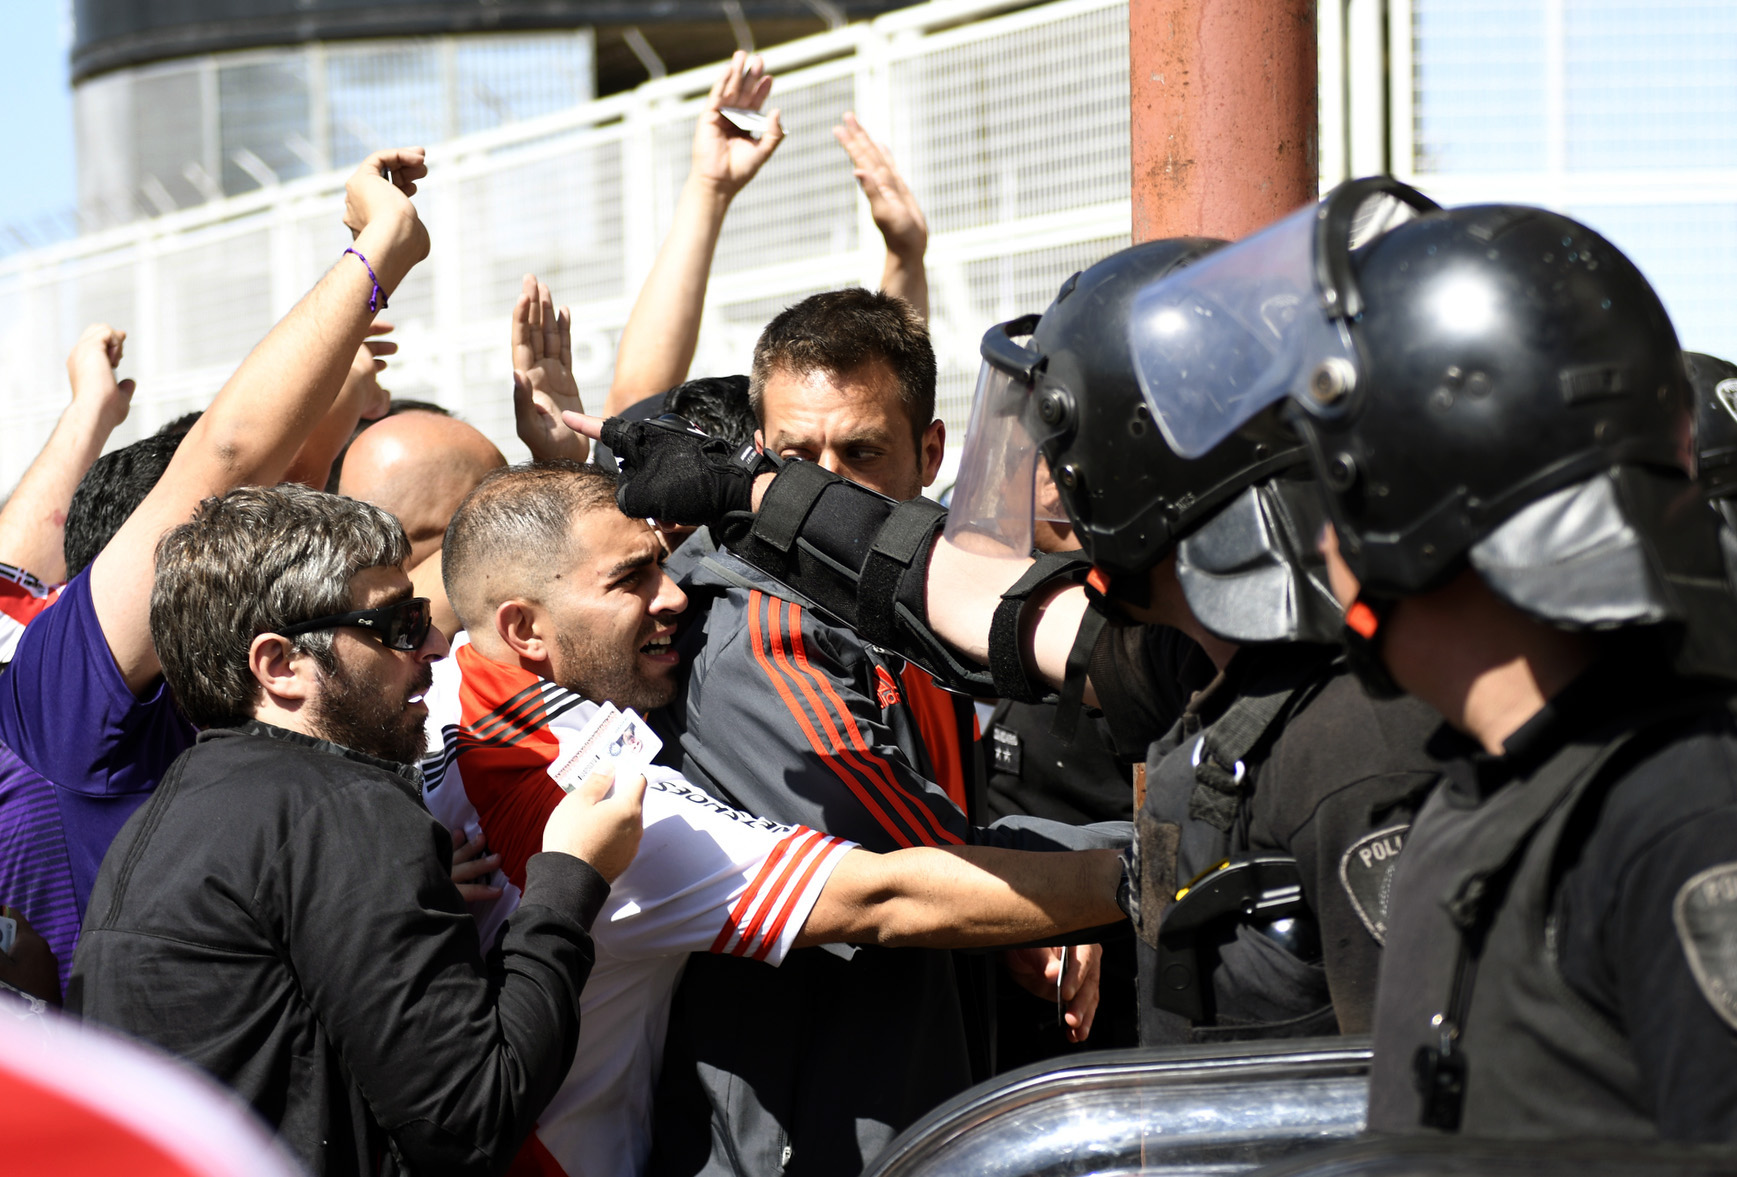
(1478, 887)
(1073, 692)
(1218, 757)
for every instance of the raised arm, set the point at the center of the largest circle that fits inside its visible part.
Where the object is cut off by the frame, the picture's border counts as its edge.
(269, 406)
(33, 521)
(360, 399)
(896, 214)
(657, 345)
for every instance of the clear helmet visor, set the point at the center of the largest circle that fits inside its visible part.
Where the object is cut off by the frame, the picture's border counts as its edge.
(1218, 342)
(1004, 483)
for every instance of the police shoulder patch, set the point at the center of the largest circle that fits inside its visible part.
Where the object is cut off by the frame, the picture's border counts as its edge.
(1366, 871)
(1705, 912)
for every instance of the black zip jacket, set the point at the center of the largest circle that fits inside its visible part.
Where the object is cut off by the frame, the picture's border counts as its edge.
(281, 913)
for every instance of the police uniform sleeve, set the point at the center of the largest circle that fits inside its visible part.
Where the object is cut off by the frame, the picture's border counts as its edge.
(1143, 676)
(1341, 786)
(1647, 928)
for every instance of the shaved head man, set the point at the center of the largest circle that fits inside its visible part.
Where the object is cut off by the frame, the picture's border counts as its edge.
(419, 466)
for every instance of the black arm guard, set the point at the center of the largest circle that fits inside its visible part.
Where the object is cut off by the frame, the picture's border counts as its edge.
(862, 559)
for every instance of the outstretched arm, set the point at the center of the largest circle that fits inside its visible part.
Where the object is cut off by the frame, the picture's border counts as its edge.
(657, 345)
(33, 521)
(896, 214)
(683, 477)
(964, 897)
(270, 405)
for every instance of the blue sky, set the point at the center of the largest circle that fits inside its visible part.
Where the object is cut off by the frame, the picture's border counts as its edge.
(36, 130)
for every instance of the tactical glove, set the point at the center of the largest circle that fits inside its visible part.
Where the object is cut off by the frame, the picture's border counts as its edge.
(673, 473)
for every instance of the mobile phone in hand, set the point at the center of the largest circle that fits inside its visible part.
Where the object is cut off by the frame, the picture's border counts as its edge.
(1061, 1007)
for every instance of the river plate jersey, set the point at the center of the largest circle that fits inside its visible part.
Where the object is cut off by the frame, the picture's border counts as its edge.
(707, 878)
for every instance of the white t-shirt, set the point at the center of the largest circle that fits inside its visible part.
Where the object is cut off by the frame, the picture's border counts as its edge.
(707, 878)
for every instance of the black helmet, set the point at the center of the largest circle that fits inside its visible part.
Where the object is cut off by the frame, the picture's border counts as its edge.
(1071, 392)
(1496, 385)
(1715, 383)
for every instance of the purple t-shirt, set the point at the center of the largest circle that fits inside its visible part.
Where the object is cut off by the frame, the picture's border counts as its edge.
(80, 753)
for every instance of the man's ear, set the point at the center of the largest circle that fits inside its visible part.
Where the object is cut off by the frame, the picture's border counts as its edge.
(760, 440)
(934, 450)
(287, 675)
(519, 625)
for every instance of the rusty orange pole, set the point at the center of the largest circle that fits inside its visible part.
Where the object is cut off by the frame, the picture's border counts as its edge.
(1223, 114)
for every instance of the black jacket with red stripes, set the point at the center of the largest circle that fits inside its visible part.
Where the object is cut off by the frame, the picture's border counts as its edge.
(814, 1067)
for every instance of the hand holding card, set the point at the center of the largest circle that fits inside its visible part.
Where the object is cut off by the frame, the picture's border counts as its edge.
(611, 736)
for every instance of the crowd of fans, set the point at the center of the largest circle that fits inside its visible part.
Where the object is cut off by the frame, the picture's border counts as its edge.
(625, 810)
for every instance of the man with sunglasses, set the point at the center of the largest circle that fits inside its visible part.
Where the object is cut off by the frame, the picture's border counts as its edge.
(281, 912)
(86, 725)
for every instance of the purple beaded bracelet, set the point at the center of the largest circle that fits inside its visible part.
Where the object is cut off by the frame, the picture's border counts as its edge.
(376, 300)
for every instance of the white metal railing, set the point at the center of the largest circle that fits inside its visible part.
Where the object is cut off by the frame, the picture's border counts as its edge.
(1011, 126)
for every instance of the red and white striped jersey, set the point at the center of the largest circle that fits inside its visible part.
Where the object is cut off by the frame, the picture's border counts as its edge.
(707, 878)
(22, 597)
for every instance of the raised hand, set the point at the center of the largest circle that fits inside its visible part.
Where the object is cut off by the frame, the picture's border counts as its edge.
(90, 368)
(360, 399)
(377, 203)
(891, 204)
(603, 831)
(725, 155)
(362, 386)
(895, 211)
(543, 383)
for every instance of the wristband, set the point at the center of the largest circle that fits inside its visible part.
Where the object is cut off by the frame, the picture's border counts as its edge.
(376, 300)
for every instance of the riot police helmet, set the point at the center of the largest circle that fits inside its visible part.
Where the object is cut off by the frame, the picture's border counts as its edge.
(1495, 386)
(1059, 429)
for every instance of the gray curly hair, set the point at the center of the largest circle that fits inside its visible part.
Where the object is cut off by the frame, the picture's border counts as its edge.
(254, 561)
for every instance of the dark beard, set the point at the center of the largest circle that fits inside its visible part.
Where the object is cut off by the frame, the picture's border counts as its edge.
(606, 675)
(355, 713)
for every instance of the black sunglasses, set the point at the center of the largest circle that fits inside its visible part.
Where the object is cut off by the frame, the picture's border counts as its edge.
(402, 625)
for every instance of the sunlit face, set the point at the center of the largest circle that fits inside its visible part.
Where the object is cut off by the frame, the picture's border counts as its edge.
(372, 699)
(853, 424)
(613, 612)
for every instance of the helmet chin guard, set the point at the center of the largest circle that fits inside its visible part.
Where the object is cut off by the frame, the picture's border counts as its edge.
(1628, 547)
(1254, 573)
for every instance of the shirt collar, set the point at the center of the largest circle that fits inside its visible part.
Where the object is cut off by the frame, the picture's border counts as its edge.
(1606, 689)
(409, 774)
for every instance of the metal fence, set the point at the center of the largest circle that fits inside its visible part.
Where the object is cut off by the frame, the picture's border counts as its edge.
(1012, 130)
(1621, 114)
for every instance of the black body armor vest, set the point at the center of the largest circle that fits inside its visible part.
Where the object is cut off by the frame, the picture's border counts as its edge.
(1252, 970)
(1476, 1030)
